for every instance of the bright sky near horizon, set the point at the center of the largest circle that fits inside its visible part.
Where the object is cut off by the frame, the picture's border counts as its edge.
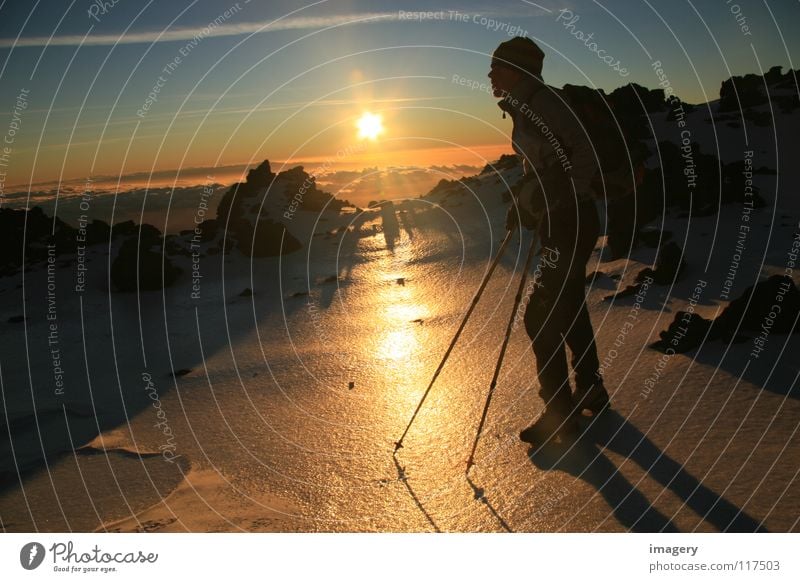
(93, 88)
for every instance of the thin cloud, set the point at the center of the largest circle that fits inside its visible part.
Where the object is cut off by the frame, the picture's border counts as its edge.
(207, 30)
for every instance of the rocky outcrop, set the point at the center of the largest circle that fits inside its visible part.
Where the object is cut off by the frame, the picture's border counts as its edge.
(140, 265)
(264, 238)
(754, 311)
(668, 267)
(40, 236)
(254, 213)
(25, 236)
(748, 91)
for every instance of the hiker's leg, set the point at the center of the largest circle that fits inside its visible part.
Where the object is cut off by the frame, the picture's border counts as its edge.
(580, 339)
(575, 243)
(589, 390)
(545, 328)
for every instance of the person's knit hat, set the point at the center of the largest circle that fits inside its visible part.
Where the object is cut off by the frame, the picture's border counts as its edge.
(522, 52)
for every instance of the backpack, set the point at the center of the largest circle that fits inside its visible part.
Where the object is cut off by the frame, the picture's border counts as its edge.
(621, 155)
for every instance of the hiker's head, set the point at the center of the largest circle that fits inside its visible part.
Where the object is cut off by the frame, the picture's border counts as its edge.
(511, 61)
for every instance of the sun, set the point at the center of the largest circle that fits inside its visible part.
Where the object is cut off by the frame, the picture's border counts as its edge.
(370, 126)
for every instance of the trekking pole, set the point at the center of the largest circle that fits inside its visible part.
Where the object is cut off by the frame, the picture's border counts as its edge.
(510, 326)
(399, 444)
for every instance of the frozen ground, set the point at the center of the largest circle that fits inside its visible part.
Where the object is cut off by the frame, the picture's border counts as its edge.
(291, 399)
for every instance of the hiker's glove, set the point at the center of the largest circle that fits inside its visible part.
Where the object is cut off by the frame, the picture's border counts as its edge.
(528, 204)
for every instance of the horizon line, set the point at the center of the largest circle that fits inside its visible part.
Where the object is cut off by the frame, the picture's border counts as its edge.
(245, 166)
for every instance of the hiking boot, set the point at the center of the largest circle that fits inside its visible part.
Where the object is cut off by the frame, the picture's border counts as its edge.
(551, 425)
(590, 396)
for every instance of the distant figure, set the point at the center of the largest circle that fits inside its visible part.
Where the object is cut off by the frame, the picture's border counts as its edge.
(556, 156)
(389, 224)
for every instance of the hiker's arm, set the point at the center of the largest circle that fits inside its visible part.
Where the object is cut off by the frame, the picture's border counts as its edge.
(566, 127)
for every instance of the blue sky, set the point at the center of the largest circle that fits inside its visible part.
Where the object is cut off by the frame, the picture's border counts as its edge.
(242, 93)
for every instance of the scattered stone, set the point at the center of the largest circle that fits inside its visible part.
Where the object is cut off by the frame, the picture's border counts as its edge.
(686, 332)
(246, 293)
(669, 265)
(752, 311)
(351, 385)
(627, 292)
(419, 321)
(298, 294)
(754, 307)
(179, 373)
(401, 281)
(16, 319)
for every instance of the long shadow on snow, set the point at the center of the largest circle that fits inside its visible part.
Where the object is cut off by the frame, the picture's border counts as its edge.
(587, 461)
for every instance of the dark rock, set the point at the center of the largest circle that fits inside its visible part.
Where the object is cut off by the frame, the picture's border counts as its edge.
(753, 307)
(229, 208)
(633, 97)
(127, 228)
(629, 291)
(150, 276)
(208, 230)
(686, 332)
(752, 90)
(16, 319)
(750, 312)
(265, 240)
(260, 176)
(734, 183)
(32, 231)
(669, 265)
(97, 232)
(179, 373)
(704, 171)
(246, 293)
(741, 92)
(666, 187)
(313, 199)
